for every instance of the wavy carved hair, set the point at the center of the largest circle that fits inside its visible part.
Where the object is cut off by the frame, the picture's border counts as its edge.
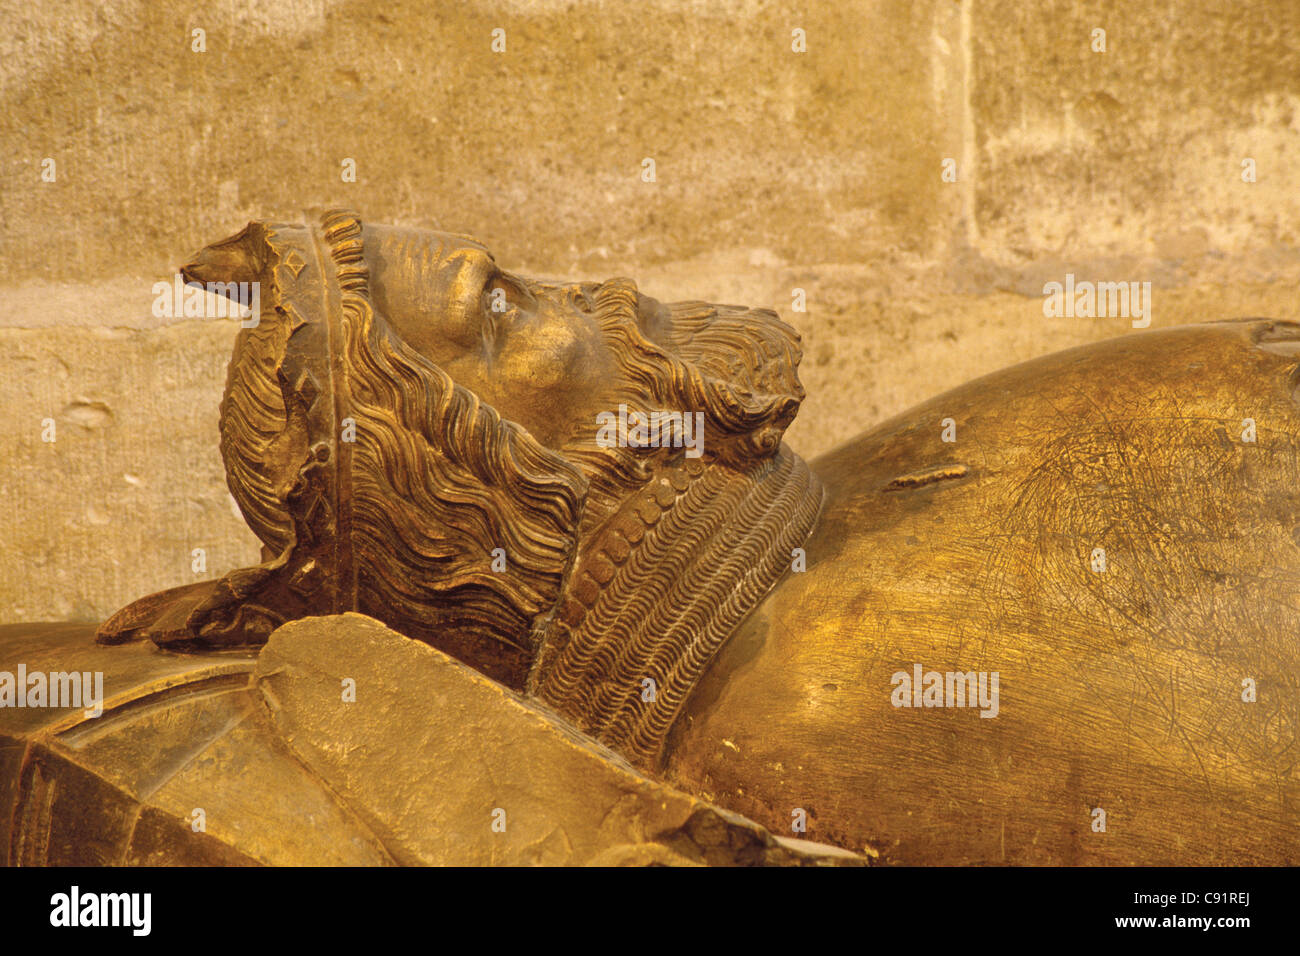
(737, 366)
(440, 482)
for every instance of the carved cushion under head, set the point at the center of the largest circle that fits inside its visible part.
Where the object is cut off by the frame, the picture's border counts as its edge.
(516, 471)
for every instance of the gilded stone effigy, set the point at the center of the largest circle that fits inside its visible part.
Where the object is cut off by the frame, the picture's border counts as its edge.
(1063, 589)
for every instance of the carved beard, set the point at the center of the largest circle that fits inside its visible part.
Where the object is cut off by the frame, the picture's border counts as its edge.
(737, 366)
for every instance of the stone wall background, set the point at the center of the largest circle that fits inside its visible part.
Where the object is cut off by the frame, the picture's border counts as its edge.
(776, 170)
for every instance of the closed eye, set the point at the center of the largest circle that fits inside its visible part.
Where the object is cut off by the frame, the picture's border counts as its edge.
(509, 291)
(504, 297)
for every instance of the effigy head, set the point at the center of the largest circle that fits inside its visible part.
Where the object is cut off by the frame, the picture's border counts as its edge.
(414, 432)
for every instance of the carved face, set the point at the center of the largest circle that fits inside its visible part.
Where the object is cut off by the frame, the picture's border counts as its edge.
(474, 397)
(552, 356)
(534, 353)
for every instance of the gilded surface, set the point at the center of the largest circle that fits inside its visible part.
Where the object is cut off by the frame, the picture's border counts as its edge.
(605, 651)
